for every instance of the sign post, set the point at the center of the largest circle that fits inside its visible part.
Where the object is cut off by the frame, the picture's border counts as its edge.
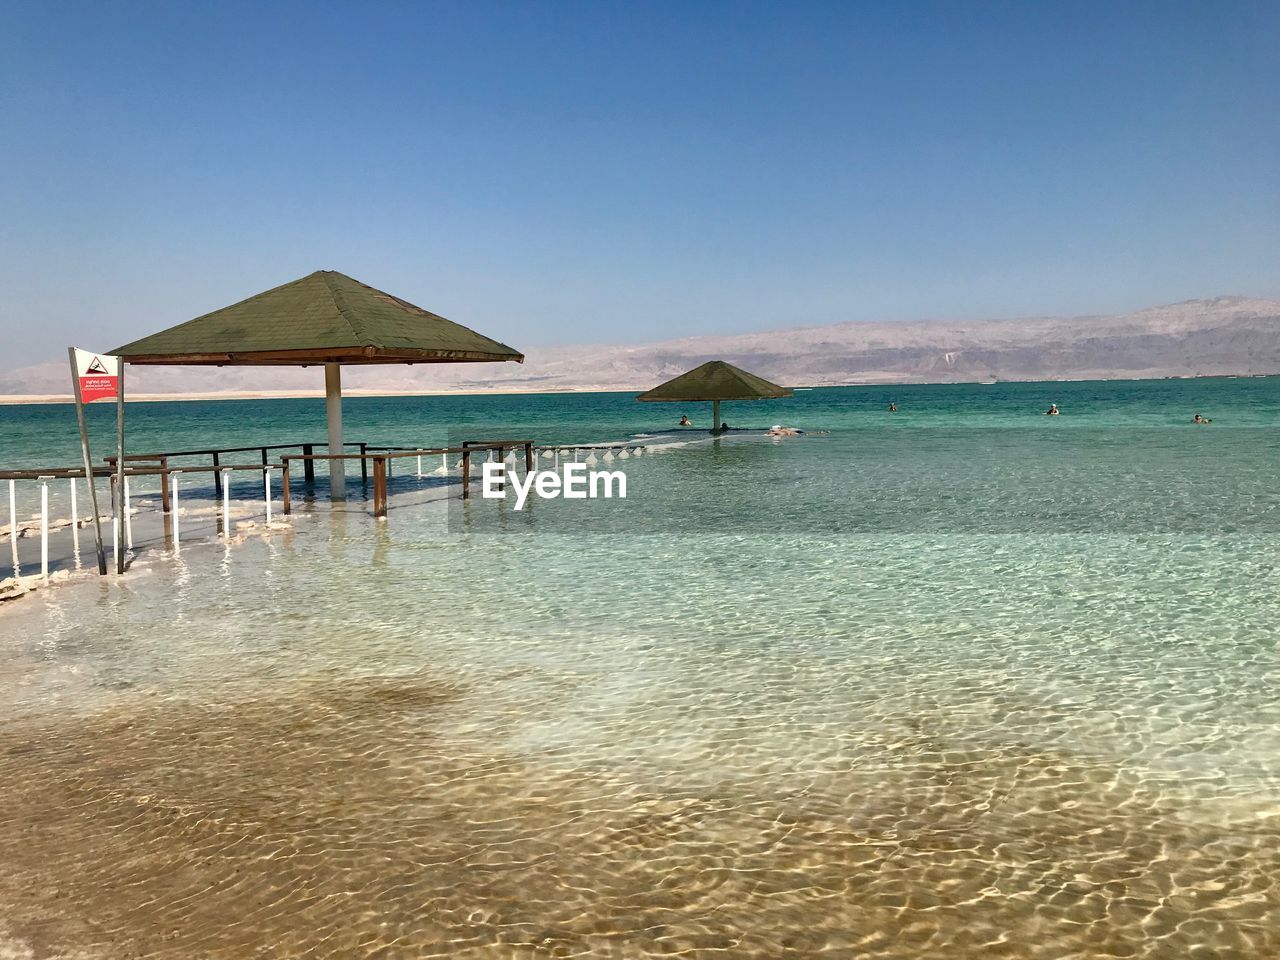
(121, 500)
(96, 377)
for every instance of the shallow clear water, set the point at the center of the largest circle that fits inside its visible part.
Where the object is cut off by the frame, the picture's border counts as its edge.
(1003, 687)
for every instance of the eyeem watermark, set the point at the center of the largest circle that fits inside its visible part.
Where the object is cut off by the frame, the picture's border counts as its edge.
(573, 482)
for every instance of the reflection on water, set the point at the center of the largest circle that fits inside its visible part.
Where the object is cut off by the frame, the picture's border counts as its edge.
(387, 741)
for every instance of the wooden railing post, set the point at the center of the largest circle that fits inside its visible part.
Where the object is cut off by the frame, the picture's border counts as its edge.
(379, 486)
(466, 473)
(286, 502)
(364, 464)
(528, 456)
(217, 476)
(165, 504)
(308, 466)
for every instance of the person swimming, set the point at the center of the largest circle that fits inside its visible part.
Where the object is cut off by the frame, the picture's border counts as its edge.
(893, 407)
(1052, 411)
(685, 422)
(1199, 419)
(778, 430)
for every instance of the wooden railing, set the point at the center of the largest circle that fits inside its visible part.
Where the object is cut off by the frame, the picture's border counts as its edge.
(381, 456)
(162, 459)
(382, 462)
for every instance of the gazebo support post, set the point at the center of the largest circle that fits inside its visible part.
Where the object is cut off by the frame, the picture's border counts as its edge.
(333, 403)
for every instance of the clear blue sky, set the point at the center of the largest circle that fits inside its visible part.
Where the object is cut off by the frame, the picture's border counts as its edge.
(568, 172)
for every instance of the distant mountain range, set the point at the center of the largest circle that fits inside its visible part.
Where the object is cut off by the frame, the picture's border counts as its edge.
(1225, 335)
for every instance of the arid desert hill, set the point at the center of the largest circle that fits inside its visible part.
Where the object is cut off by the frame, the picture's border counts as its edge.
(1224, 335)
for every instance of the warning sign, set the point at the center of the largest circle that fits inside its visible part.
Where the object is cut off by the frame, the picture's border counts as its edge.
(99, 376)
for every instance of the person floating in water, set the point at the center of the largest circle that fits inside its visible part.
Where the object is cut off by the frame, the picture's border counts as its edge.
(724, 427)
(778, 430)
(1052, 411)
(893, 407)
(684, 422)
(1199, 419)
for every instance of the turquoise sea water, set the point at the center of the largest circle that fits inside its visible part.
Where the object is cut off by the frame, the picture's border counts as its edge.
(960, 681)
(45, 434)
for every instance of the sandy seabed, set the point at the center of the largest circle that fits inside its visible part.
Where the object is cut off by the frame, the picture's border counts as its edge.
(333, 820)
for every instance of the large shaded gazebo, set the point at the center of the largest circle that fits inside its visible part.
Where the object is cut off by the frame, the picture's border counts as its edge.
(715, 380)
(325, 318)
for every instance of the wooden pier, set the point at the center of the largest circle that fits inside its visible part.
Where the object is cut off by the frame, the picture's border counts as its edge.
(375, 458)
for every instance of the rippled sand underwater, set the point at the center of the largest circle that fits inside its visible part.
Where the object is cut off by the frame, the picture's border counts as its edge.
(738, 746)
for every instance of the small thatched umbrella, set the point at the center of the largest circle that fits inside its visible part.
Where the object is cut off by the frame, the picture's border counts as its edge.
(324, 318)
(715, 380)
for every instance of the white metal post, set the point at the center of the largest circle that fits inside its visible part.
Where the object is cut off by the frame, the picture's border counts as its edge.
(266, 490)
(128, 517)
(75, 523)
(444, 464)
(44, 527)
(13, 528)
(333, 405)
(174, 511)
(419, 466)
(226, 504)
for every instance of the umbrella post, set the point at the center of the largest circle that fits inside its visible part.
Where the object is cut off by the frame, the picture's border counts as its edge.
(715, 417)
(333, 405)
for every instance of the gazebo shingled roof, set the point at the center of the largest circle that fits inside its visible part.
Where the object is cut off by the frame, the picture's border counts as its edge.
(325, 317)
(715, 380)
